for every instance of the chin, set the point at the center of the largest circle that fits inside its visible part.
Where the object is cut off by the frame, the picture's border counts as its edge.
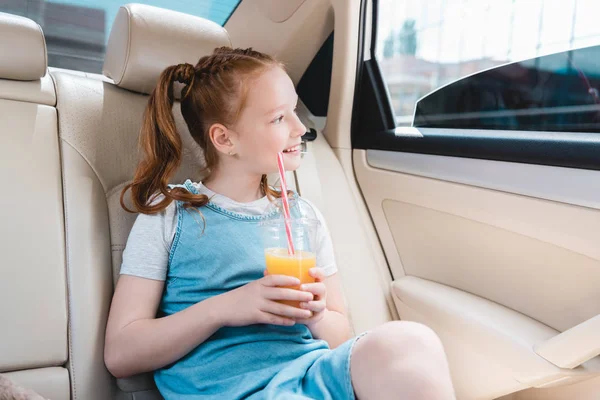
(292, 166)
(289, 163)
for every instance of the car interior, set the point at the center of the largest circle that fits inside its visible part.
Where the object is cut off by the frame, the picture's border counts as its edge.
(499, 257)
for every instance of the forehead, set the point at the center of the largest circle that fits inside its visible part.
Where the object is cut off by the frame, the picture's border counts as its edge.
(271, 89)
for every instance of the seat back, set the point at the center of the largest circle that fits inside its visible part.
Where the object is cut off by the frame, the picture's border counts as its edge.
(33, 288)
(99, 124)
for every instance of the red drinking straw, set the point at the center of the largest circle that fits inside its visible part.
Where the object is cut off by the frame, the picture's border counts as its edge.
(286, 204)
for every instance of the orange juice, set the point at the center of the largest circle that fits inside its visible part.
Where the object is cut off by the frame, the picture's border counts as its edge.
(279, 262)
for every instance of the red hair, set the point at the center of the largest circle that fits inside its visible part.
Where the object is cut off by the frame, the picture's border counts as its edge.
(215, 92)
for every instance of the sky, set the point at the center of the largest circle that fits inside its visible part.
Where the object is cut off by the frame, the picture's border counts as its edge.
(505, 30)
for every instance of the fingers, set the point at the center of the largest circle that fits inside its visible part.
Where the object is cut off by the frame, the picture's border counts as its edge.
(279, 280)
(314, 306)
(287, 294)
(318, 288)
(285, 310)
(317, 273)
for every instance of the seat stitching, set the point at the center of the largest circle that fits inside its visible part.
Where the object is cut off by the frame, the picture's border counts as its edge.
(68, 271)
(87, 162)
(68, 255)
(129, 18)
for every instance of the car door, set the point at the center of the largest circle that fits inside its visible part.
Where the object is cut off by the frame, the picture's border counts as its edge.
(476, 145)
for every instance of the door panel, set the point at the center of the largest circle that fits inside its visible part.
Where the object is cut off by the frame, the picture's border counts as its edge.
(476, 146)
(522, 273)
(527, 179)
(526, 264)
(536, 256)
(491, 344)
(587, 390)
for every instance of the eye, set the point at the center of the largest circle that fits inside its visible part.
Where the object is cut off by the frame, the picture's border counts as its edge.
(278, 119)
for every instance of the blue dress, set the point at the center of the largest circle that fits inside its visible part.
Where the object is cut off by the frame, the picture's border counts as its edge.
(251, 362)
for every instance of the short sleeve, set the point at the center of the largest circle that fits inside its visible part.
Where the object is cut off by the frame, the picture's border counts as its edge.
(325, 254)
(146, 253)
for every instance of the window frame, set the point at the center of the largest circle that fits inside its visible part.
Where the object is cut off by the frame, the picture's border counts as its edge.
(373, 129)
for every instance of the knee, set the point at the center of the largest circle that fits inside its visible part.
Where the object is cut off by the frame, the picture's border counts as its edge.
(405, 357)
(401, 339)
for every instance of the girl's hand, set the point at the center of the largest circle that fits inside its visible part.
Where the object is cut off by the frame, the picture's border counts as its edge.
(255, 303)
(318, 305)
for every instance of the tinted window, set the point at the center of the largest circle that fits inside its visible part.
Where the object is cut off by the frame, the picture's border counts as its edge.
(315, 84)
(557, 92)
(423, 45)
(77, 31)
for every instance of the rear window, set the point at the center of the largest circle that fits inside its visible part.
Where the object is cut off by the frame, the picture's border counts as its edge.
(77, 31)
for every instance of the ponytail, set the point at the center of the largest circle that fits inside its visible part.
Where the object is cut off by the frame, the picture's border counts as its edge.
(270, 192)
(162, 148)
(213, 92)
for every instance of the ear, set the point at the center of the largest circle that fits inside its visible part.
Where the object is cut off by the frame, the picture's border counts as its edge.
(222, 138)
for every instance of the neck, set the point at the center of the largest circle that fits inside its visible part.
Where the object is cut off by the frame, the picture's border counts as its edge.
(238, 185)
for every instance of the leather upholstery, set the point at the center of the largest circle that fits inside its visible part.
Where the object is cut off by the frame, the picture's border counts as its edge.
(99, 128)
(482, 335)
(144, 40)
(33, 301)
(51, 383)
(23, 40)
(33, 285)
(39, 92)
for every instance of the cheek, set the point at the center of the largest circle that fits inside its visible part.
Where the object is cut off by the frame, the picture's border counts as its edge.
(274, 140)
(269, 161)
(261, 152)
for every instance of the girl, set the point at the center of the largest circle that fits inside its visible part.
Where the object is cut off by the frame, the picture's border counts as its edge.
(193, 302)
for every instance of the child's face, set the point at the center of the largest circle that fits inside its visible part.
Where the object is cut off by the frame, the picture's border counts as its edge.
(268, 124)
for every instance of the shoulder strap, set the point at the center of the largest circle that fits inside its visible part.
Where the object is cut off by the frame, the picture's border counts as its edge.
(187, 185)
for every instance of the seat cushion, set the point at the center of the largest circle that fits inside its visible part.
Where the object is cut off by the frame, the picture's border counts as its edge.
(33, 302)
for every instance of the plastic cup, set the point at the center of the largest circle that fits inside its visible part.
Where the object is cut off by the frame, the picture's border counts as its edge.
(277, 258)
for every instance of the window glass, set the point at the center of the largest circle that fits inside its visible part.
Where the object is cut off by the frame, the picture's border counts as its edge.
(425, 45)
(315, 84)
(557, 92)
(77, 31)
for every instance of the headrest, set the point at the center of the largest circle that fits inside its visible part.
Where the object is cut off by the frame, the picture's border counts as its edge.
(144, 40)
(23, 54)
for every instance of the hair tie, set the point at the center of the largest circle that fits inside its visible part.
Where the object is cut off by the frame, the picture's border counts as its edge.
(184, 73)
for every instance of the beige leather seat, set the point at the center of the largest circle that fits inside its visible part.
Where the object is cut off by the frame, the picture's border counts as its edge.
(58, 259)
(33, 302)
(98, 128)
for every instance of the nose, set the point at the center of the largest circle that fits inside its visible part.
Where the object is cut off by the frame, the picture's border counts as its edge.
(299, 129)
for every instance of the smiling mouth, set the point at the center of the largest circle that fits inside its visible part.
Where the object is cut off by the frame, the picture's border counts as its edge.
(292, 149)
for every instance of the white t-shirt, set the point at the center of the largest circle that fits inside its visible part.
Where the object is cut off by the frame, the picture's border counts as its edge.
(149, 243)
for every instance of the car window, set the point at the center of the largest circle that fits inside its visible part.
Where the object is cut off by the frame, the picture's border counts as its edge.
(77, 31)
(315, 84)
(557, 92)
(432, 54)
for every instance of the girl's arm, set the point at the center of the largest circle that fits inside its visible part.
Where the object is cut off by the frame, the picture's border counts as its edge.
(138, 342)
(334, 327)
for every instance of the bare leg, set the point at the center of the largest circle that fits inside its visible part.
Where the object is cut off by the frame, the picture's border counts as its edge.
(401, 360)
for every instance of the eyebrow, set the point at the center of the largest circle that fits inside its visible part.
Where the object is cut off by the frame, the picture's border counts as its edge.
(275, 109)
(280, 107)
